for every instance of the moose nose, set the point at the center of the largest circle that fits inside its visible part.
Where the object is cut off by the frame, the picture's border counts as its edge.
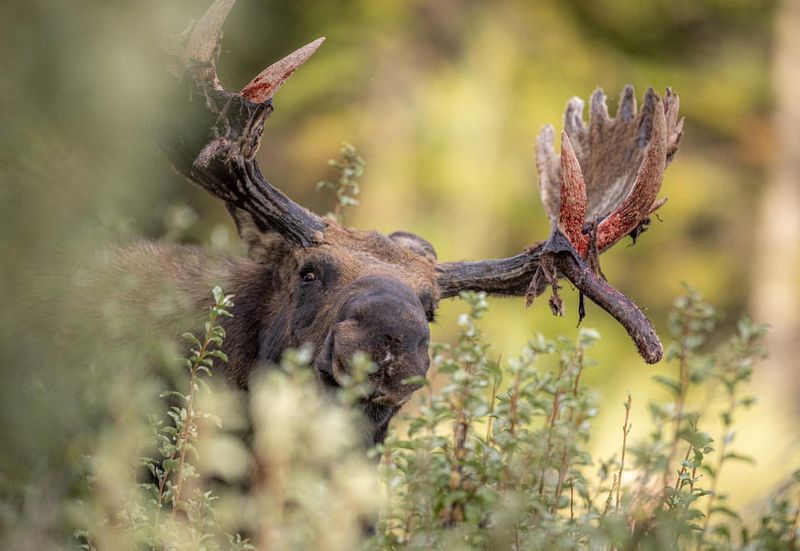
(384, 319)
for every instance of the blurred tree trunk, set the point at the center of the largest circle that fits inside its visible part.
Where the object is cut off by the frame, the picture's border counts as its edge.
(776, 296)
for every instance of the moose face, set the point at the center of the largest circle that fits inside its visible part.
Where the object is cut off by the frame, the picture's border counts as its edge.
(367, 293)
(356, 292)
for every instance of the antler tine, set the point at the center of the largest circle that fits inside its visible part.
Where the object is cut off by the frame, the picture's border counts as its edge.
(573, 118)
(621, 307)
(547, 165)
(599, 112)
(636, 206)
(267, 82)
(627, 104)
(572, 212)
(202, 45)
(672, 105)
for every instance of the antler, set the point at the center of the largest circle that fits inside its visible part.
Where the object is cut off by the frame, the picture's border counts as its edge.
(622, 161)
(216, 148)
(600, 188)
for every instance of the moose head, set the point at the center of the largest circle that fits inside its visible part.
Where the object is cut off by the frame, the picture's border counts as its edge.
(310, 280)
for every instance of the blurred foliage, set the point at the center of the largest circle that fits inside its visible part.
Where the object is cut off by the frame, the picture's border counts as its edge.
(443, 99)
(497, 459)
(301, 465)
(346, 187)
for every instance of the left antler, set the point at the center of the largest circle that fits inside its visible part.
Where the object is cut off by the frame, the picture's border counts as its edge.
(215, 141)
(602, 187)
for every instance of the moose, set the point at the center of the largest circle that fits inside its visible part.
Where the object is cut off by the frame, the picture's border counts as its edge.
(310, 280)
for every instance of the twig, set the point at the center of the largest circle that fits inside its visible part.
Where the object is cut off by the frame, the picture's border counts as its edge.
(455, 513)
(512, 427)
(187, 426)
(721, 459)
(680, 399)
(610, 496)
(549, 427)
(561, 476)
(491, 404)
(576, 422)
(572, 499)
(682, 470)
(625, 430)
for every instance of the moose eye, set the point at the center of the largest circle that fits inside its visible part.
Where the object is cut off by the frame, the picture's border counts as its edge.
(431, 315)
(308, 275)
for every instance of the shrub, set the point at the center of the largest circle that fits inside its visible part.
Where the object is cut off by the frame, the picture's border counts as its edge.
(496, 458)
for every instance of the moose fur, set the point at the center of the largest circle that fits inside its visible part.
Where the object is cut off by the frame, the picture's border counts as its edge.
(368, 292)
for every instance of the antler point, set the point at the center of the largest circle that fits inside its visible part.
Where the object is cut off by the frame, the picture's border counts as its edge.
(268, 81)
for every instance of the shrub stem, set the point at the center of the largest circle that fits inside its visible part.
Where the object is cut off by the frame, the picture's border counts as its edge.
(625, 430)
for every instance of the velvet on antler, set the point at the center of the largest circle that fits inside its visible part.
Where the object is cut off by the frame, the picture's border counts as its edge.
(610, 172)
(602, 187)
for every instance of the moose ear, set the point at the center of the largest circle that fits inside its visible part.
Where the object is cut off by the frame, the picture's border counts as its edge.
(415, 243)
(261, 243)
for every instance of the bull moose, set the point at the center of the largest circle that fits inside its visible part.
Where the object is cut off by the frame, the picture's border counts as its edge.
(309, 279)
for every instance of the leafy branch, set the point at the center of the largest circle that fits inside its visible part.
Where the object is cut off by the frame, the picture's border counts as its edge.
(179, 440)
(346, 187)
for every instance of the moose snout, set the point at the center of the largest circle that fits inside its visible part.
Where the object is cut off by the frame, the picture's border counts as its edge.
(384, 320)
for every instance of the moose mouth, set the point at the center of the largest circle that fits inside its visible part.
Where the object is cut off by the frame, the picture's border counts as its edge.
(331, 370)
(378, 397)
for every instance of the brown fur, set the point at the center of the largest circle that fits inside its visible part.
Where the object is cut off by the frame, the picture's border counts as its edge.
(265, 285)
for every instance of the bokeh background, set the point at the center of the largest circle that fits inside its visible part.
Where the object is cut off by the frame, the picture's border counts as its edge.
(444, 101)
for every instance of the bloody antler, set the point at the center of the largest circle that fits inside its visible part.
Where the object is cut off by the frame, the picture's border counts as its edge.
(602, 187)
(620, 163)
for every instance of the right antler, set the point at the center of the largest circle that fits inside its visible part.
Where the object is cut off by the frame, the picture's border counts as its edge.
(217, 146)
(601, 188)
(612, 170)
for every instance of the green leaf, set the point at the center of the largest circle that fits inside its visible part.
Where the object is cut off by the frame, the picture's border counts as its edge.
(191, 338)
(219, 354)
(170, 465)
(733, 456)
(668, 382)
(726, 511)
(698, 439)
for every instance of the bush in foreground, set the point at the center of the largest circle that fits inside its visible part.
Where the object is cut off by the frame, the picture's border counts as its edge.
(496, 458)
